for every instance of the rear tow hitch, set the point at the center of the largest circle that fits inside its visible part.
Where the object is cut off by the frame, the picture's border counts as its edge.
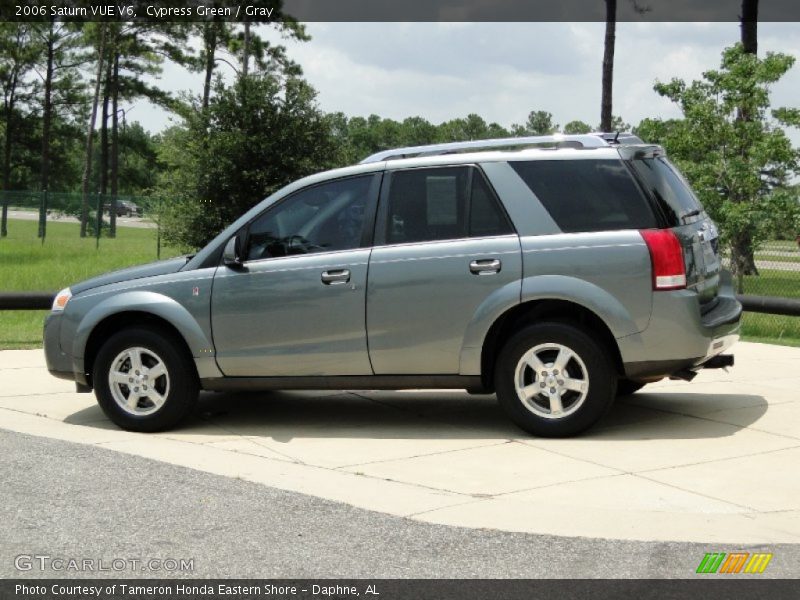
(684, 374)
(720, 361)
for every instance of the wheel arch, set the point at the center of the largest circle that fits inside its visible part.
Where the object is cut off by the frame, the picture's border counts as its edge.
(125, 320)
(538, 311)
(142, 309)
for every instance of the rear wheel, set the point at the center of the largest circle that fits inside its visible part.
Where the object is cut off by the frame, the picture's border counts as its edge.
(626, 387)
(554, 380)
(145, 380)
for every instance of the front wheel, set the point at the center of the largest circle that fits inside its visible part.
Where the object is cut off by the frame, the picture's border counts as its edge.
(145, 380)
(554, 380)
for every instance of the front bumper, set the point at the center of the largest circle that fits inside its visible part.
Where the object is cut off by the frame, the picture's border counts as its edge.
(59, 364)
(679, 337)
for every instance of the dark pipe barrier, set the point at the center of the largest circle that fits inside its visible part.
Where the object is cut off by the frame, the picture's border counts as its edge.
(770, 305)
(26, 300)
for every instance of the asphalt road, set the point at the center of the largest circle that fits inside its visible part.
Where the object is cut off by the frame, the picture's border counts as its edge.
(72, 501)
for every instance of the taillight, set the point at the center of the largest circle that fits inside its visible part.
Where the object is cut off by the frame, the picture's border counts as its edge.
(666, 257)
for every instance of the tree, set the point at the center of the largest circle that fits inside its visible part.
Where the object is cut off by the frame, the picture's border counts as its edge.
(609, 44)
(740, 168)
(222, 41)
(749, 25)
(138, 167)
(17, 57)
(574, 127)
(608, 65)
(58, 68)
(87, 167)
(134, 51)
(358, 137)
(472, 127)
(256, 136)
(617, 124)
(749, 39)
(540, 122)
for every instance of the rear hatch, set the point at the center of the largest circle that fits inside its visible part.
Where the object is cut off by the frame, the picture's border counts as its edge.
(681, 211)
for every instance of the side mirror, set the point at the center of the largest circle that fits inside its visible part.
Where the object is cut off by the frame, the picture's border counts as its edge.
(232, 255)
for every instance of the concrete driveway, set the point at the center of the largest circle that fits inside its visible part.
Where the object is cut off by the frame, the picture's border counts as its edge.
(711, 461)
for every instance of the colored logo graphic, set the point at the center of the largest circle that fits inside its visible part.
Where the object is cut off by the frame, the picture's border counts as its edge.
(735, 562)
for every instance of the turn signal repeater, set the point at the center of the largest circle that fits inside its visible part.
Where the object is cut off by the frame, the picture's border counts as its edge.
(666, 259)
(61, 299)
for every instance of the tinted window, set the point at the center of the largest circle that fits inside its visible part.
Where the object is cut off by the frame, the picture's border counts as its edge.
(441, 204)
(486, 218)
(322, 218)
(587, 195)
(668, 188)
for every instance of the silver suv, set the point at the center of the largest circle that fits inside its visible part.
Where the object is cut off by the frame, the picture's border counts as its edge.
(558, 272)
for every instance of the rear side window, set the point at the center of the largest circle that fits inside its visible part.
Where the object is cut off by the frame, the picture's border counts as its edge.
(442, 204)
(486, 218)
(672, 193)
(587, 195)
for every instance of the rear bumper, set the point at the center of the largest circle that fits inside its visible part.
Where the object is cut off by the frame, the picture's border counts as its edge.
(680, 337)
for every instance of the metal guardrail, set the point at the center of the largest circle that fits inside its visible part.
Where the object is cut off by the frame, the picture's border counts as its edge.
(761, 304)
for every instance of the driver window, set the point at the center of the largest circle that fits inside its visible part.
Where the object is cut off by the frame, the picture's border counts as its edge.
(322, 218)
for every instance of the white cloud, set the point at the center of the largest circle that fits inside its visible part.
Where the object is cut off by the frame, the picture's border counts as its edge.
(502, 71)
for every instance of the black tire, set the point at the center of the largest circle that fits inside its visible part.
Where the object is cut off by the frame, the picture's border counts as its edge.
(600, 374)
(626, 387)
(183, 388)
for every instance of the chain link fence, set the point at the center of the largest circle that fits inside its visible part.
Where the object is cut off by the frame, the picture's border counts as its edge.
(778, 264)
(66, 207)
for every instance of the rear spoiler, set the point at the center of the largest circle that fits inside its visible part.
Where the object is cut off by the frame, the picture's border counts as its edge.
(631, 151)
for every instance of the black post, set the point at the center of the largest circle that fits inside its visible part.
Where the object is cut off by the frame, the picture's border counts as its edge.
(158, 229)
(43, 217)
(41, 214)
(99, 223)
(4, 218)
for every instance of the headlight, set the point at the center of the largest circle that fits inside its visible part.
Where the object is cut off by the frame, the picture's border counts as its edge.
(61, 299)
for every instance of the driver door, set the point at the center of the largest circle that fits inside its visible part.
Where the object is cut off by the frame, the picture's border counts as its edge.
(296, 307)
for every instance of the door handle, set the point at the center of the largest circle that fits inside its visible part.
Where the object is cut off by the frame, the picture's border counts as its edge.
(335, 276)
(487, 266)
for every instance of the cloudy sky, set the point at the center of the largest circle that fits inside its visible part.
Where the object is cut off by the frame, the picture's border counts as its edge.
(502, 71)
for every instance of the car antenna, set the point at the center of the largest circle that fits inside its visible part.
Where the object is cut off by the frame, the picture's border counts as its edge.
(616, 137)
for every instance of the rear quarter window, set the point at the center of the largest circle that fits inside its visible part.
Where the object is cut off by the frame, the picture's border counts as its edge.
(667, 186)
(587, 195)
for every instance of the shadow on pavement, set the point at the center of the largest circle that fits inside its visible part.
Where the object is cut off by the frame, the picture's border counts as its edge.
(283, 416)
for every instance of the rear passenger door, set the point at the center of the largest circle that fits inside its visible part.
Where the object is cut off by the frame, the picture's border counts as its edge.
(443, 245)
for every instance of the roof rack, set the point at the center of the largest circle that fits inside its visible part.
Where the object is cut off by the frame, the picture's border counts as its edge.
(589, 140)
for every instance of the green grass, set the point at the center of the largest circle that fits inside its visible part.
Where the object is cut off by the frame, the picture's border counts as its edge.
(772, 282)
(784, 245)
(772, 329)
(65, 258)
(780, 258)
